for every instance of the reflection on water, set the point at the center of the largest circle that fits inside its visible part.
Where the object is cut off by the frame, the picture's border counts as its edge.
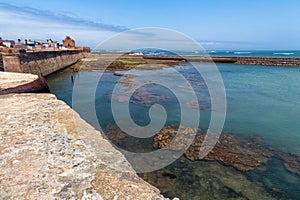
(263, 103)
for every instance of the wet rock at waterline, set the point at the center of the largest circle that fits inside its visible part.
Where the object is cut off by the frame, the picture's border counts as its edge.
(229, 150)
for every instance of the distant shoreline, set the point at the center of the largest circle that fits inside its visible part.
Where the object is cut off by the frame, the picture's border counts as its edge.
(165, 59)
(243, 60)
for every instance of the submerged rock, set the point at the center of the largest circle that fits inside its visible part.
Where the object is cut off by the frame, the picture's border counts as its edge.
(229, 150)
(291, 162)
(205, 180)
(232, 151)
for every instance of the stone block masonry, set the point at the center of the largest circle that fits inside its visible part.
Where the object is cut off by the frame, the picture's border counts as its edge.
(41, 63)
(268, 61)
(1, 61)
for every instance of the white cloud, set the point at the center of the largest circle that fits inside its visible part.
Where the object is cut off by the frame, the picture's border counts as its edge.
(29, 23)
(228, 45)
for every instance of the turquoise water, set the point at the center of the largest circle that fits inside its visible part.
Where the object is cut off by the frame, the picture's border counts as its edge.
(264, 101)
(261, 101)
(251, 53)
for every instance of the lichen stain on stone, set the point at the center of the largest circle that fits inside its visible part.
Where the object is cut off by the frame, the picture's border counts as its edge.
(66, 119)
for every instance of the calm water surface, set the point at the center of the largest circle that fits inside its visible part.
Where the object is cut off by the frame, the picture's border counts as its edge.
(261, 101)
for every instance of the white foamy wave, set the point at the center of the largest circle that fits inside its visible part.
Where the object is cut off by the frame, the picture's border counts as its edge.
(242, 52)
(286, 54)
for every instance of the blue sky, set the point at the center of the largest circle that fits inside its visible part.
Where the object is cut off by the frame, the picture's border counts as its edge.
(216, 24)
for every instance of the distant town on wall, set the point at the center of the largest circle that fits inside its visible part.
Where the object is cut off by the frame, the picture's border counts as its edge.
(28, 44)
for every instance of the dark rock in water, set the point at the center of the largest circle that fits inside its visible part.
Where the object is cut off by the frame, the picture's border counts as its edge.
(147, 96)
(160, 180)
(204, 180)
(114, 134)
(170, 175)
(229, 150)
(232, 151)
(291, 162)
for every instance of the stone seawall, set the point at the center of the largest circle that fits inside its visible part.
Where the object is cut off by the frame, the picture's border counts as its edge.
(268, 61)
(1, 60)
(41, 63)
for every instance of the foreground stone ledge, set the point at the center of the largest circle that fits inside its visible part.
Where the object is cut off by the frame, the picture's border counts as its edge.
(48, 152)
(21, 83)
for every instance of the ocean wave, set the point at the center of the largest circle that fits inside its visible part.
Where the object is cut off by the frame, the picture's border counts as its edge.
(286, 54)
(242, 52)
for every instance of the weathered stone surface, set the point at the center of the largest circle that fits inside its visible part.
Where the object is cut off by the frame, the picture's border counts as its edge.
(48, 152)
(21, 83)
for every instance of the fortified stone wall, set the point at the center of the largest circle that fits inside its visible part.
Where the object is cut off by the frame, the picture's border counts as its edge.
(231, 59)
(268, 61)
(41, 63)
(1, 60)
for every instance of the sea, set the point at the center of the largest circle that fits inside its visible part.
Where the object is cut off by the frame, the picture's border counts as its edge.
(250, 53)
(244, 53)
(262, 103)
